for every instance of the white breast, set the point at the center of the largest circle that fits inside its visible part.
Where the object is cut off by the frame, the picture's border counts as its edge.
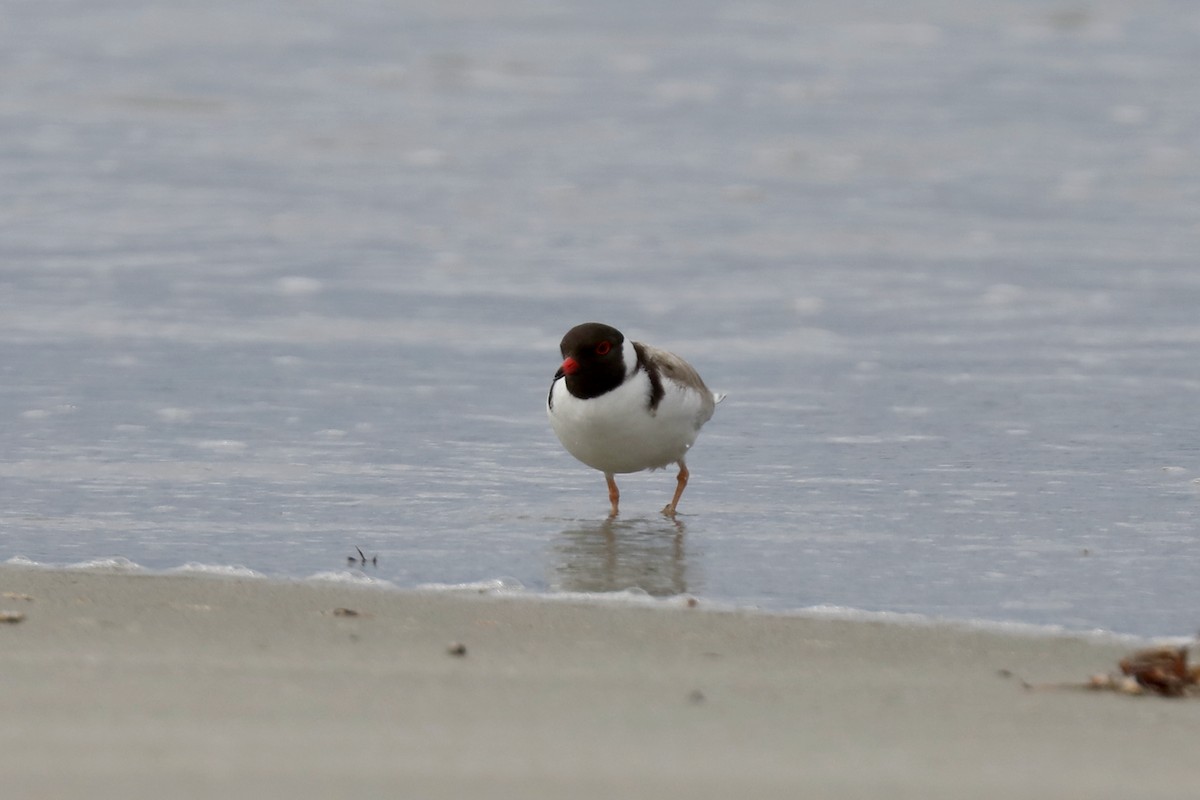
(616, 432)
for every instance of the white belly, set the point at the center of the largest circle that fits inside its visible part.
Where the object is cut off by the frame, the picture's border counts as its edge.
(616, 432)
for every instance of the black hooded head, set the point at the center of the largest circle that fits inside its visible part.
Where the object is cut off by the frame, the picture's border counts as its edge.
(593, 359)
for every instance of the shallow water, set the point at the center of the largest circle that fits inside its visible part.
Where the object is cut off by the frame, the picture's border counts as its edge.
(280, 281)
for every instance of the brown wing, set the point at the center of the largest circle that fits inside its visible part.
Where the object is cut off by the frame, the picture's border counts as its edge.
(672, 367)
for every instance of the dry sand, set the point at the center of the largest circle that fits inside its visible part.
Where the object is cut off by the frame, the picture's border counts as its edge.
(137, 686)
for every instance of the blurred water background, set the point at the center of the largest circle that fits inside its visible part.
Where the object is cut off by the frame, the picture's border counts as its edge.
(279, 280)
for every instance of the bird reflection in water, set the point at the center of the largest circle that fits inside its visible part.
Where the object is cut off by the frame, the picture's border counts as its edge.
(616, 555)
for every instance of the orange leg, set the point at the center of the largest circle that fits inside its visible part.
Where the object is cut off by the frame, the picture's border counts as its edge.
(680, 485)
(614, 494)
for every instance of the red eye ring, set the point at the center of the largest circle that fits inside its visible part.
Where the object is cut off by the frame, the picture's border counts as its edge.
(603, 348)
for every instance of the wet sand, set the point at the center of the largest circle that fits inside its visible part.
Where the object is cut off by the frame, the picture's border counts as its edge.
(139, 686)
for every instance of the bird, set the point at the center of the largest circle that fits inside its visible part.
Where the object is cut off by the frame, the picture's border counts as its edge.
(621, 406)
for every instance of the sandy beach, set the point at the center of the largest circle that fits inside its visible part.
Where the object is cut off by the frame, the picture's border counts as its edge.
(143, 686)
